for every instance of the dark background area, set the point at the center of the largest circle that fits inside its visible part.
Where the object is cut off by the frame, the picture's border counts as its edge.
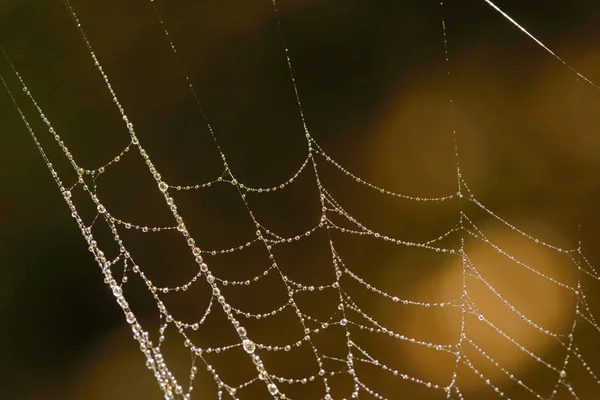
(375, 91)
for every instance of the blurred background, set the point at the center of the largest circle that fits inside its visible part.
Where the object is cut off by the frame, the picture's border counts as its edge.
(375, 91)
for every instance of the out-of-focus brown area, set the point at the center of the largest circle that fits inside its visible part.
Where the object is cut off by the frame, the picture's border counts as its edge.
(375, 91)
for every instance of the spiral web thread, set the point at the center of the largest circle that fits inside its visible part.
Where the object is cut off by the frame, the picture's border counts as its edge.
(349, 316)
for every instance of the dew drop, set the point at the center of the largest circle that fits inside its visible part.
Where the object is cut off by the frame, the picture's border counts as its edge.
(249, 346)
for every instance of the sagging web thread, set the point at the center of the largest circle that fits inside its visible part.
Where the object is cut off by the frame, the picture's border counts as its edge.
(173, 387)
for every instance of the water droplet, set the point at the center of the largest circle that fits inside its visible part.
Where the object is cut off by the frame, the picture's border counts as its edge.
(249, 346)
(272, 388)
(117, 291)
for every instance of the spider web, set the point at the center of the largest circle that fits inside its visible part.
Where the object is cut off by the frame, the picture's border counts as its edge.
(331, 343)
